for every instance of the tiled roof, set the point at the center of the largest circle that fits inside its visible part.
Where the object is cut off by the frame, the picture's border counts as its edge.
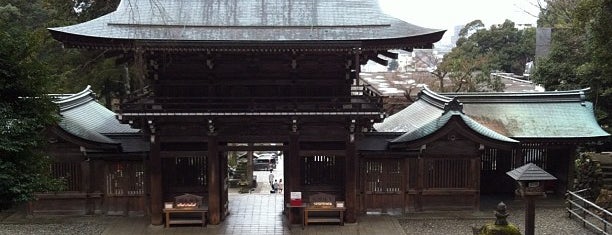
(83, 117)
(249, 21)
(75, 128)
(554, 115)
(441, 121)
(411, 118)
(83, 109)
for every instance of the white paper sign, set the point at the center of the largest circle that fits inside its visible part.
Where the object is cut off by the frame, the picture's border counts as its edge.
(296, 195)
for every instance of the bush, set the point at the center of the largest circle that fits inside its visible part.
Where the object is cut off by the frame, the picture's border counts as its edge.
(588, 175)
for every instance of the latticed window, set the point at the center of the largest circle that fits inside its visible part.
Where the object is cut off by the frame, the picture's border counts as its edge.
(536, 154)
(488, 160)
(69, 173)
(322, 170)
(447, 173)
(125, 178)
(382, 175)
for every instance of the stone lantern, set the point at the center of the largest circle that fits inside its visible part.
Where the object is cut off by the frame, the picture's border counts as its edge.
(529, 178)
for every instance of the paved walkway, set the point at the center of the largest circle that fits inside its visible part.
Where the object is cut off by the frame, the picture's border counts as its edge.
(256, 214)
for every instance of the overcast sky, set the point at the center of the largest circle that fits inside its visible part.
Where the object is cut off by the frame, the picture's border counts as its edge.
(445, 14)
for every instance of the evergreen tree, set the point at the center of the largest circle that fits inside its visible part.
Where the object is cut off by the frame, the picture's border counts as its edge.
(25, 110)
(581, 52)
(480, 51)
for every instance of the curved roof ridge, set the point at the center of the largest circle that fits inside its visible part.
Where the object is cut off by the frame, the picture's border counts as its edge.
(439, 123)
(578, 95)
(433, 98)
(70, 101)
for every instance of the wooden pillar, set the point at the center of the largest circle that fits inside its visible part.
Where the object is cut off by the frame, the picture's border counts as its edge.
(475, 171)
(249, 166)
(529, 215)
(294, 163)
(518, 157)
(292, 172)
(224, 202)
(418, 199)
(350, 189)
(88, 182)
(567, 174)
(214, 181)
(156, 181)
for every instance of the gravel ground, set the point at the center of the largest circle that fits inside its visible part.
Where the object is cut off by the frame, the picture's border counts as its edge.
(549, 221)
(73, 228)
(68, 225)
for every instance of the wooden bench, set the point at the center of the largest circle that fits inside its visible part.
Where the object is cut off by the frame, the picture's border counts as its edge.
(314, 213)
(189, 210)
(200, 219)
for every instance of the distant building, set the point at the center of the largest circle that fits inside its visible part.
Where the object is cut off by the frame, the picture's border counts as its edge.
(523, 26)
(543, 41)
(455, 36)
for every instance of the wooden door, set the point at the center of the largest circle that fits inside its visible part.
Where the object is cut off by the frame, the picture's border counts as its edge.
(125, 191)
(383, 185)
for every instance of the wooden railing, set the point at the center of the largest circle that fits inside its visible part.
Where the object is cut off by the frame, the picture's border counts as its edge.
(587, 212)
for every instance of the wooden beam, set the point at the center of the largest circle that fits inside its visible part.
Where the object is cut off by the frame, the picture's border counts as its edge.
(389, 54)
(253, 148)
(380, 61)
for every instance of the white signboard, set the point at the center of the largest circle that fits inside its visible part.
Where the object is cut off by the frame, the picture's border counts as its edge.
(296, 195)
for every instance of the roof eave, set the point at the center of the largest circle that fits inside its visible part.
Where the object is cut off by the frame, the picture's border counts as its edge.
(90, 144)
(90, 42)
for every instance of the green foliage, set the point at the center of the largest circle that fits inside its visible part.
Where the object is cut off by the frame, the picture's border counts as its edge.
(32, 64)
(71, 70)
(22, 174)
(492, 229)
(558, 71)
(25, 110)
(581, 52)
(595, 17)
(557, 13)
(481, 51)
(588, 174)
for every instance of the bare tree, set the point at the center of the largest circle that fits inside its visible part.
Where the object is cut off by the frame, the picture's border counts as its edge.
(434, 65)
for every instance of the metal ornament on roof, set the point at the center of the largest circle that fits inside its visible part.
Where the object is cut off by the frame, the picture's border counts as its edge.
(453, 105)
